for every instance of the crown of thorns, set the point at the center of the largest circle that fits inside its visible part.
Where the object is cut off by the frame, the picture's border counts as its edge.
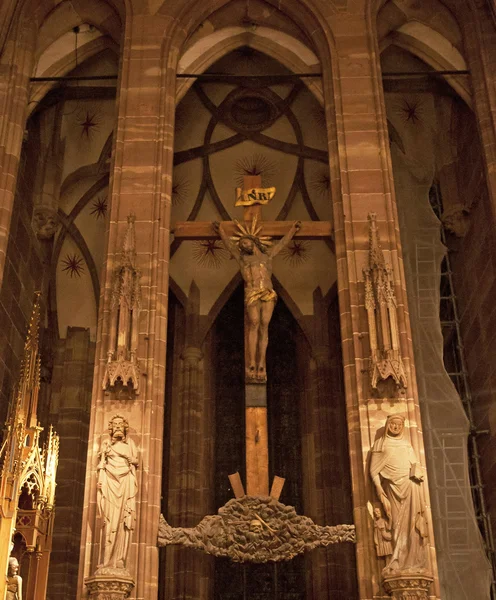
(252, 233)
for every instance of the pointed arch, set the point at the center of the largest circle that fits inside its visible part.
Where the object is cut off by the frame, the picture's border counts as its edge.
(287, 50)
(421, 30)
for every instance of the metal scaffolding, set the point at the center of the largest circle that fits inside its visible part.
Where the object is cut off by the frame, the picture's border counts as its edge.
(455, 364)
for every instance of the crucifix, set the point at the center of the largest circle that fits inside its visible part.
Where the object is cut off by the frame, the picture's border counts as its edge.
(254, 252)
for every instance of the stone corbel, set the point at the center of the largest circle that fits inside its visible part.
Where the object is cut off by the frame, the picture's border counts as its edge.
(456, 219)
(408, 587)
(122, 364)
(112, 587)
(45, 220)
(386, 364)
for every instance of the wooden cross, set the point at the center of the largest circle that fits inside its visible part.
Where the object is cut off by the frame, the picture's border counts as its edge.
(257, 447)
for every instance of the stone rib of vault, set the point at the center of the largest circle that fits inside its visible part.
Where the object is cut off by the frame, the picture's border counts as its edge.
(255, 529)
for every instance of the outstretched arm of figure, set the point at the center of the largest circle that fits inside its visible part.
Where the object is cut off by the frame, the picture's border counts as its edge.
(230, 247)
(282, 243)
(382, 496)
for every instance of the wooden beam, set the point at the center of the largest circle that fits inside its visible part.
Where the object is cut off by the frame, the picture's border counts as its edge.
(276, 489)
(257, 452)
(198, 230)
(237, 486)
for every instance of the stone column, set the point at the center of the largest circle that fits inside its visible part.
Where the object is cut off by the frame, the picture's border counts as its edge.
(16, 65)
(70, 407)
(479, 30)
(313, 452)
(137, 186)
(189, 574)
(363, 174)
(327, 492)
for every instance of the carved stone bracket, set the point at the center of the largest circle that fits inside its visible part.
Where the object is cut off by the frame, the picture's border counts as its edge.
(45, 221)
(456, 219)
(121, 370)
(122, 365)
(109, 587)
(49, 165)
(408, 586)
(255, 529)
(386, 363)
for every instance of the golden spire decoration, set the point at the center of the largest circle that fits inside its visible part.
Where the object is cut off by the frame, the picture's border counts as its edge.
(30, 375)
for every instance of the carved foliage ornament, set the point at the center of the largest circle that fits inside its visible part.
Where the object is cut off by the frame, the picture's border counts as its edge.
(102, 588)
(408, 587)
(380, 303)
(255, 529)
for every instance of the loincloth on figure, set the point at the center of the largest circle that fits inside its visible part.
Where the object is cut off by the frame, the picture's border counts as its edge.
(262, 294)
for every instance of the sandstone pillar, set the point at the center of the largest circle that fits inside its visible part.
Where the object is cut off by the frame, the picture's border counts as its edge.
(325, 474)
(189, 574)
(140, 156)
(16, 65)
(313, 457)
(479, 28)
(70, 407)
(364, 176)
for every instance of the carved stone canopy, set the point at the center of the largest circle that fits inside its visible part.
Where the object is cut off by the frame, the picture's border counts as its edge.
(386, 364)
(255, 529)
(122, 363)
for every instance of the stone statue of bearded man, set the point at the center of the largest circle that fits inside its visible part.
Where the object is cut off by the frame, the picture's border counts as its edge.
(117, 490)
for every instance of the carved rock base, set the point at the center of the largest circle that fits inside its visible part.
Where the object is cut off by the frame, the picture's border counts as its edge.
(408, 587)
(109, 587)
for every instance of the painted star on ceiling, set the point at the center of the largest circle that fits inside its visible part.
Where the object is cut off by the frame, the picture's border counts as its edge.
(73, 265)
(99, 207)
(89, 123)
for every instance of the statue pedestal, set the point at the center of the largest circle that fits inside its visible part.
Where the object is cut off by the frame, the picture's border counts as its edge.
(114, 585)
(408, 586)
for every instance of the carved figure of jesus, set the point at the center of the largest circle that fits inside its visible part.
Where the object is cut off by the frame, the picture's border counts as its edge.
(117, 489)
(254, 255)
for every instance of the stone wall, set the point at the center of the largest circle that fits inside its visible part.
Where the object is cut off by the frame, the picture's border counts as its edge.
(473, 261)
(22, 277)
(70, 414)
